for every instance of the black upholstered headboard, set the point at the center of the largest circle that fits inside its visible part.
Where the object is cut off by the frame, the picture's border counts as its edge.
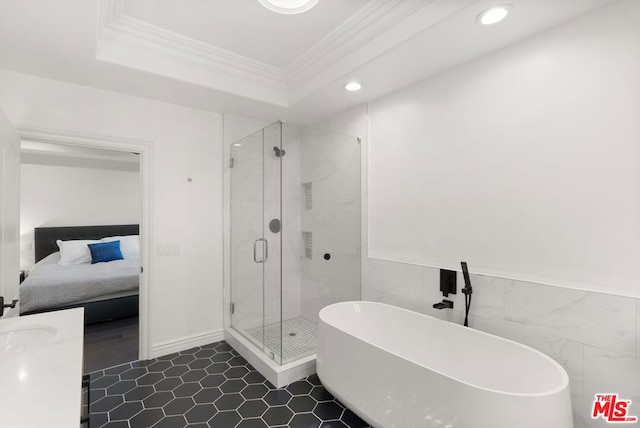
(45, 237)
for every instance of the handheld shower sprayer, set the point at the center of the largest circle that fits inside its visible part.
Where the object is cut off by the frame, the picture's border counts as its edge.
(467, 291)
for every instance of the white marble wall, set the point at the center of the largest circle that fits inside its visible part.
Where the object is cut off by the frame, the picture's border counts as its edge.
(594, 336)
(331, 163)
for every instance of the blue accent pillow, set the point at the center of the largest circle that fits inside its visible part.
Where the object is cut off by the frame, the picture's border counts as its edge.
(105, 252)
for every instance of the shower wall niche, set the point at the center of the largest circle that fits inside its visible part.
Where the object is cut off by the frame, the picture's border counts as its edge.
(294, 234)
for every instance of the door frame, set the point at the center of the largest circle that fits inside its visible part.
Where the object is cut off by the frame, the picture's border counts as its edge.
(145, 149)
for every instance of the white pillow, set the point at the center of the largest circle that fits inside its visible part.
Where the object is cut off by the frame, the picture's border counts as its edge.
(129, 245)
(75, 252)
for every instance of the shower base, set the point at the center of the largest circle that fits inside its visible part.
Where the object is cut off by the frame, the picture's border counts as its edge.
(299, 338)
(278, 374)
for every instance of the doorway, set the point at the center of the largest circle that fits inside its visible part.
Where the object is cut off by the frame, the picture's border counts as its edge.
(125, 339)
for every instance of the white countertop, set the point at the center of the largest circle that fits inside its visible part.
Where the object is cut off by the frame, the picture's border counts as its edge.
(40, 381)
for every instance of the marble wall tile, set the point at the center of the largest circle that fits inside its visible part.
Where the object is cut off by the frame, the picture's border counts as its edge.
(487, 300)
(608, 371)
(611, 372)
(570, 355)
(600, 320)
(344, 269)
(375, 295)
(582, 413)
(399, 279)
(350, 242)
(326, 240)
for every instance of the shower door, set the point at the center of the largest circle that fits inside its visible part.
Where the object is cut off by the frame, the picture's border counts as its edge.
(256, 213)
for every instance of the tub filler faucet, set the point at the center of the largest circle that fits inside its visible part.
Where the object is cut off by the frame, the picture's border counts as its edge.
(445, 304)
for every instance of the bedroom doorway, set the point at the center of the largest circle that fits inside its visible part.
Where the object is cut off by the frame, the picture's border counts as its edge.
(109, 179)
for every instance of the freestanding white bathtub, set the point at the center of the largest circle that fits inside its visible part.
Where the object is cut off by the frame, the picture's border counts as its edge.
(401, 369)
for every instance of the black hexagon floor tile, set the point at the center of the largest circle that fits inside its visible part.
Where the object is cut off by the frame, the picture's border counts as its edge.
(125, 411)
(156, 400)
(254, 391)
(229, 401)
(233, 385)
(328, 410)
(217, 368)
(277, 397)
(207, 395)
(159, 366)
(225, 419)
(201, 413)
(133, 373)
(172, 422)
(252, 408)
(209, 386)
(277, 415)
(301, 387)
(146, 418)
(252, 423)
(175, 371)
(167, 384)
(302, 404)
(236, 372)
(178, 406)
(137, 394)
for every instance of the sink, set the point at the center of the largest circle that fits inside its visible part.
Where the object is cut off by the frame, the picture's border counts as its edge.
(21, 340)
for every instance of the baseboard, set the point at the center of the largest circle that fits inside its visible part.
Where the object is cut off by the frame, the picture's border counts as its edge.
(186, 342)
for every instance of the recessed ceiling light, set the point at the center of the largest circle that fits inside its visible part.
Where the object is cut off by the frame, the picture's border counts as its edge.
(353, 86)
(237, 144)
(494, 14)
(289, 7)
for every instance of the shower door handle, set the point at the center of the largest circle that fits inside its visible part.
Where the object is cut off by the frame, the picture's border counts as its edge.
(265, 252)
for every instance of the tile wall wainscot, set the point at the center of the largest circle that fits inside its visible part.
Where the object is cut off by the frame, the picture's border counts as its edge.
(594, 336)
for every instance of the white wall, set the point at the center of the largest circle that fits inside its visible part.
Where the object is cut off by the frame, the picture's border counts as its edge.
(186, 290)
(525, 162)
(69, 196)
(595, 336)
(9, 212)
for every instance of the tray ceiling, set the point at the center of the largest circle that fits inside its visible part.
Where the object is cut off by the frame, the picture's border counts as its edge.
(235, 56)
(245, 26)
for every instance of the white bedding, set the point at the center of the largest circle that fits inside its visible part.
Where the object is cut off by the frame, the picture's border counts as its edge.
(50, 285)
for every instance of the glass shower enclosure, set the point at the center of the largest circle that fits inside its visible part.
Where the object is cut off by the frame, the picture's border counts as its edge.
(295, 234)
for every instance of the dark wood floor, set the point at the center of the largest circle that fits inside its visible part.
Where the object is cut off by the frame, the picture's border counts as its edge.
(110, 343)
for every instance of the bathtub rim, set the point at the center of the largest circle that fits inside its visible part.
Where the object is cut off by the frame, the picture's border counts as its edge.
(564, 384)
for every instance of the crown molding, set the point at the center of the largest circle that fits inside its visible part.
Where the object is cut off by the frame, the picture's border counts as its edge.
(131, 42)
(365, 25)
(119, 32)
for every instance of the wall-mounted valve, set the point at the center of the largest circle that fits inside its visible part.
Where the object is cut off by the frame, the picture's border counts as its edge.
(445, 304)
(11, 305)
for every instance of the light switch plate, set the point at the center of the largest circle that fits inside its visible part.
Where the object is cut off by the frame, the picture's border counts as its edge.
(170, 249)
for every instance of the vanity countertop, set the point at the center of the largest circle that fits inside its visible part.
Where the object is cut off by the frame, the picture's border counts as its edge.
(41, 369)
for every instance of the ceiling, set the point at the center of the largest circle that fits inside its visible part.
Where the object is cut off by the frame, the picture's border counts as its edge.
(265, 36)
(235, 56)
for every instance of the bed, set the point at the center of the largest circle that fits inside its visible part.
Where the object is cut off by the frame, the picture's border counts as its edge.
(107, 291)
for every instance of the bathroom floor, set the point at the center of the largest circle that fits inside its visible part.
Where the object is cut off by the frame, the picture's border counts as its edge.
(209, 386)
(297, 337)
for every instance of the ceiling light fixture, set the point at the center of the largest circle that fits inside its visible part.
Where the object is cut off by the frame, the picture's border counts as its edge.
(494, 14)
(289, 7)
(353, 86)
